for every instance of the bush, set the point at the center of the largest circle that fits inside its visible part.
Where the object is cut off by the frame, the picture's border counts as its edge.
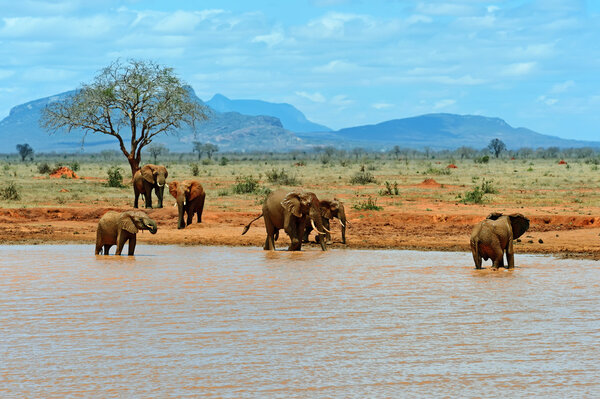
(195, 169)
(437, 171)
(244, 185)
(115, 178)
(281, 178)
(474, 196)
(362, 177)
(206, 162)
(483, 159)
(10, 192)
(487, 188)
(390, 189)
(369, 205)
(44, 168)
(74, 166)
(224, 161)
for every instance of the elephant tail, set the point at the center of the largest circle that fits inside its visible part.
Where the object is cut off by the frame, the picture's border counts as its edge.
(247, 227)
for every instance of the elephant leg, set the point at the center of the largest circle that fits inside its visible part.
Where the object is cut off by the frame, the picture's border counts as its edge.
(107, 248)
(136, 197)
(296, 231)
(269, 241)
(98, 243)
(200, 208)
(510, 255)
(327, 226)
(148, 195)
(307, 231)
(477, 260)
(121, 239)
(190, 209)
(131, 247)
(498, 258)
(159, 194)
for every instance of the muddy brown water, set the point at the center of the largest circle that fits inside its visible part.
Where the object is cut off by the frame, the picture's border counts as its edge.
(239, 322)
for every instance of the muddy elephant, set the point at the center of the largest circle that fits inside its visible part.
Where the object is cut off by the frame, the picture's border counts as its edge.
(189, 195)
(494, 236)
(120, 227)
(290, 210)
(330, 209)
(150, 177)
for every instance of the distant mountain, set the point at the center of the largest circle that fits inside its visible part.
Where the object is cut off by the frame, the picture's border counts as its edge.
(237, 131)
(231, 131)
(291, 118)
(444, 131)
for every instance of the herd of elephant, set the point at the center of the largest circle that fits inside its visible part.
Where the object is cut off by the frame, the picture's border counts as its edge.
(296, 211)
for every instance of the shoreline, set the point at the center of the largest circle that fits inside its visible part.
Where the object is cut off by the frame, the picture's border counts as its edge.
(562, 236)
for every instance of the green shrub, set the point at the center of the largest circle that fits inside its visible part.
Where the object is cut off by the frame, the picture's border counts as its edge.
(74, 166)
(10, 192)
(483, 159)
(437, 171)
(390, 189)
(474, 196)
(362, 177)
(44, 168)
(115, 178)
(244, 185)
(487, 188)
(195, 169)
(281, 178)
(224, 161)
(369, 205)
(207, 162)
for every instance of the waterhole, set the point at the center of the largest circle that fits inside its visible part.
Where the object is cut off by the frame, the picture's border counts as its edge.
(239, 322)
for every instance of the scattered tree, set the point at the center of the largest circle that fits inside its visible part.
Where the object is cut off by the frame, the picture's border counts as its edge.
(156, 150)
(210, 149)
(25, 151)
(142, 97)
(198, 147)
(496, 146)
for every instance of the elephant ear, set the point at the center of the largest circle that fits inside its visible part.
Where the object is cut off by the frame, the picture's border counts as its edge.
(194, 190)
(173, 188)
(326, 209)
(494, 216)
(166, 171)
(148, 173)
(126, 223)
(291, 203)
(519, 224)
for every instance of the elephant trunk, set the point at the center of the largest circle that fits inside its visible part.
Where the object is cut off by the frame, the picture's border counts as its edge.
(317, 223)
(150, 225)
(343, 222)
(181, 212)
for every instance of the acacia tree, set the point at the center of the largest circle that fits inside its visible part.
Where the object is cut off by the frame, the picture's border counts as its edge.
(496, 146)
(133, 102)
(25, 151)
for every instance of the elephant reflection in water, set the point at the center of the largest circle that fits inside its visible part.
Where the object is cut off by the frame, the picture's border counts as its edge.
(290, 210)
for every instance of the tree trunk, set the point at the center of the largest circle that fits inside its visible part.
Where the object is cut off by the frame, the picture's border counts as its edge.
(134, 163)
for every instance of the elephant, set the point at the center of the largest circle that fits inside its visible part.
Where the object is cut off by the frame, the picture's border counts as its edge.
(189, 195)
(290, 211)
(494, 236)
(330, 209)
(147, 178)
(117, 228)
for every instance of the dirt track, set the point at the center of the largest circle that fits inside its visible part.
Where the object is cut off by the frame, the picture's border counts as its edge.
(445, 228)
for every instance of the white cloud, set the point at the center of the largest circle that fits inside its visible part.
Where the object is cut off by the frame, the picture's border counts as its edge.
(314, 97)
(562, 87)
(443, 104)
(382, 105)
(519, 69)
(547, 100)
(335, 66)
(271, 39)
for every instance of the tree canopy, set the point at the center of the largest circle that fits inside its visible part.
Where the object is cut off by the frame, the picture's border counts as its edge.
(25, 151)
(133, 102)
(496, 146)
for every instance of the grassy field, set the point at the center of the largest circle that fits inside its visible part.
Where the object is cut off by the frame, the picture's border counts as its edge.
(571, 187)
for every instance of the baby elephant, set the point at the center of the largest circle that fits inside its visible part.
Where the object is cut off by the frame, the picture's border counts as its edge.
(494, 236)
(117, 228)
(189, 195)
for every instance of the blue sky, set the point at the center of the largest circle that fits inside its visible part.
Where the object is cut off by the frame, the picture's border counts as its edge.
(534, 63)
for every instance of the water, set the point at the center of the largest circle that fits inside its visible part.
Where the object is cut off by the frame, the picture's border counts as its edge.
(238, 322)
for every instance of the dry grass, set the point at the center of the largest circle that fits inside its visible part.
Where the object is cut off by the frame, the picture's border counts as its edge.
(527, 183)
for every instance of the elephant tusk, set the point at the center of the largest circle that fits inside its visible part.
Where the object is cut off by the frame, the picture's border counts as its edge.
(342, 223)
(317, 230)
(160, 185)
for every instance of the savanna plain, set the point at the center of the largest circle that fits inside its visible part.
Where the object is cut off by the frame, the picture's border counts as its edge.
(391, 203)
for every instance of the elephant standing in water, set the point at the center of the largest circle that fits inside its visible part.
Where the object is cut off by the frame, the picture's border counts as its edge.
(190, 196)
(494, 236)
(290, 211)
(146, 179)
(118, 228)
(330, 209)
